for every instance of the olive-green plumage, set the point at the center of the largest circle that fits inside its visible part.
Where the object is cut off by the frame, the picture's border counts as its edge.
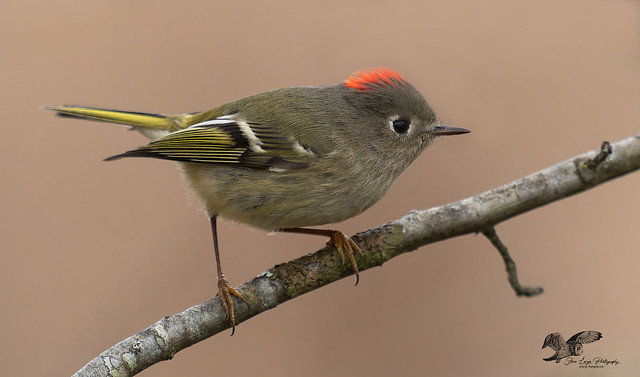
(292, 157)
(325, 153)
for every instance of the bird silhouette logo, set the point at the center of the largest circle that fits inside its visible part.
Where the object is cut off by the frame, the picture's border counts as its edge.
(572, 347)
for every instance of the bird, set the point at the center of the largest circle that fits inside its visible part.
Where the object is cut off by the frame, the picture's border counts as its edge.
(291, 158)
(572, 347)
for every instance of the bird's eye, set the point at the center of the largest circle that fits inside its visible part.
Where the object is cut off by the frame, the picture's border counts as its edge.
(401, 126)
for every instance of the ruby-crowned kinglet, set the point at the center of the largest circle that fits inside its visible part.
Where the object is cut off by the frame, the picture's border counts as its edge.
(292, 157)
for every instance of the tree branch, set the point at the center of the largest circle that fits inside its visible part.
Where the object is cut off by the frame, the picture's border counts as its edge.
(286, 281)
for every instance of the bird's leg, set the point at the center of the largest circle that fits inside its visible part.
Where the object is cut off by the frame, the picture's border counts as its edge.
(224, 290)
(342, 243)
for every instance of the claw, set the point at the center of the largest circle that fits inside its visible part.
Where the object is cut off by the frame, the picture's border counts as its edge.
(225, 292)
(345, 245)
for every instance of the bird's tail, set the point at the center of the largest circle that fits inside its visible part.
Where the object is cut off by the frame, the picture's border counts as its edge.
(152, 126)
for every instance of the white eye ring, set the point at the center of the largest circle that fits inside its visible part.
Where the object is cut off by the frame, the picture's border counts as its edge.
(399, 126)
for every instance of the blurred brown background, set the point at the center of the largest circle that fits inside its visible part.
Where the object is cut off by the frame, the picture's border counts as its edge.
(92, 252)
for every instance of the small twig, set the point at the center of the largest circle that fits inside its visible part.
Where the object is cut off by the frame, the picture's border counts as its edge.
(605, 151)
(510, 265)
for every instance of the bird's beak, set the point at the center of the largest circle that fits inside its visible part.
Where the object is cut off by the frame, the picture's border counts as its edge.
(441, 130)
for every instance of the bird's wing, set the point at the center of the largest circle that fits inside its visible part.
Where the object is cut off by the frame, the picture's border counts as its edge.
(555, 341)
(229, 141)
(584, 337)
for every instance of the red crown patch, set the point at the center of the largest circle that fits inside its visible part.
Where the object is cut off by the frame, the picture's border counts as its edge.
(370, 77)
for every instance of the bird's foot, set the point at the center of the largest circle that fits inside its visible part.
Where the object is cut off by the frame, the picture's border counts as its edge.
(225, 291)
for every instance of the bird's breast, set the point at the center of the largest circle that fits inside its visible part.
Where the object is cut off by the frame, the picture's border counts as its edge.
(327, 192)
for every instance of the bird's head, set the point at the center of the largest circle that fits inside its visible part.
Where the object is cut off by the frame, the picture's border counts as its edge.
(395, 114)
